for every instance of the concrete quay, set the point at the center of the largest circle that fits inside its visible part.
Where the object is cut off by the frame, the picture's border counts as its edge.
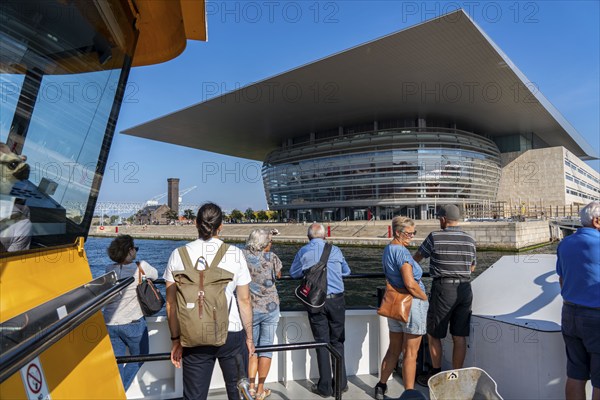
(500, 235)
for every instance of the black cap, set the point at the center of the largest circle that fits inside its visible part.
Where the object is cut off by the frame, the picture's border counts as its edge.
(449, 211)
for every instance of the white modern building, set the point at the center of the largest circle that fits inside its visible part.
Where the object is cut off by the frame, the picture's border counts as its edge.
(551, 176)
(433, 114)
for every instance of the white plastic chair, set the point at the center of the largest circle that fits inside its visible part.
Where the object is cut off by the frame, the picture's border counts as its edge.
(463, 384)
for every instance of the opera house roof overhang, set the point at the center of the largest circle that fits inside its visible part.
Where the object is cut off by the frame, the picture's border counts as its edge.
(446, 68)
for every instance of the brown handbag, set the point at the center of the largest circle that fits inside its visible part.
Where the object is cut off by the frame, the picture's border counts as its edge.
(396, 303)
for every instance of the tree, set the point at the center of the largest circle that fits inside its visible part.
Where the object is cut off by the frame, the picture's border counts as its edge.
(236, 215)
(189, 214)
(262, 215)
(77, 219)
(272, 215)
(171, 216)
(113, 219)
(249, 214)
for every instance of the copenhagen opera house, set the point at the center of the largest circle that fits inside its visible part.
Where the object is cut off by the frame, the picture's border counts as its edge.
(433, 114)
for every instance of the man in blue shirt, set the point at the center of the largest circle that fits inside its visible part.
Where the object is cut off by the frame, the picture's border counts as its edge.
(578, 268)
(327, 324)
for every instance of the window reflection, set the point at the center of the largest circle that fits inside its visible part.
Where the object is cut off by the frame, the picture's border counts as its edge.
(60, 72)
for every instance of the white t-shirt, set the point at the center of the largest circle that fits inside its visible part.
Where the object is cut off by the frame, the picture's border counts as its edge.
(233, 261)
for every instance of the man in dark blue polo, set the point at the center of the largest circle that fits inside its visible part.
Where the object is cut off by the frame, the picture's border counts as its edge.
(327, 324)
(578, 268)
(453, 257)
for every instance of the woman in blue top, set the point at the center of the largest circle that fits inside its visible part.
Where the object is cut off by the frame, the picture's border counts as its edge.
(403, 272)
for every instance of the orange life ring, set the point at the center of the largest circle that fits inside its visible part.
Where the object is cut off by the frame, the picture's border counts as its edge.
(101, 228)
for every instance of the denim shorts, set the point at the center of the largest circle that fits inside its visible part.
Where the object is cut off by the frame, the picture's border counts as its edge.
(264, 326)
(581, 333)
(417, 319)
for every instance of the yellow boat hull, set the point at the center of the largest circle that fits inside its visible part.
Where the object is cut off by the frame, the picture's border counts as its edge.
(82, 364)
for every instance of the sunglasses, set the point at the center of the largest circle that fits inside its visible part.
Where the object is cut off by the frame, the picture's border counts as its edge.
(136, 248)
(410, 233)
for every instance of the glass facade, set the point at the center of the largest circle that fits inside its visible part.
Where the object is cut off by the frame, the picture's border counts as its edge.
(382, 172)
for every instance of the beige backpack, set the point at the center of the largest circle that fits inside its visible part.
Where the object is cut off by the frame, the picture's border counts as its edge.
(202, 307)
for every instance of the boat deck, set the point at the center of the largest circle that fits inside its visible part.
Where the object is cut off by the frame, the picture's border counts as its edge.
(359, 387)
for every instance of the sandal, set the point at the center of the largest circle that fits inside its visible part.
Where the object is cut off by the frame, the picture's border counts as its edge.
(252, 392)
(263, 395)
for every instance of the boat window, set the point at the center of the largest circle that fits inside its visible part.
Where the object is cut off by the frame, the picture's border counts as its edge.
(61, 75)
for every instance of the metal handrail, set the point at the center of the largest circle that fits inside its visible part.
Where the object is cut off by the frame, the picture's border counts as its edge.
(337, 224)
(366, 275)
(20, 354)
(337, 365)
(279, 347)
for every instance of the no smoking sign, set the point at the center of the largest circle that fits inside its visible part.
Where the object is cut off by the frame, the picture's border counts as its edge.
(34, 381)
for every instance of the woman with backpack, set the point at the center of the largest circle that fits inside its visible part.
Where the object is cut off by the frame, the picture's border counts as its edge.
(205, 321)
(265, 269)
(124, 317)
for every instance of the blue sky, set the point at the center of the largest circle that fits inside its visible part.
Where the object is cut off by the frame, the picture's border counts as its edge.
(554, 43)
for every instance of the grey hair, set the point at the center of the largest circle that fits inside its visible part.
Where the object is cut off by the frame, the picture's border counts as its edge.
(400, 223)
(258, 239)
(316, 231)
(589, 212)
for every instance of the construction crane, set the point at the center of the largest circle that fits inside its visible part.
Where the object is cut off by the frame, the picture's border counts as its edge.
(154, 200)
(185, 191)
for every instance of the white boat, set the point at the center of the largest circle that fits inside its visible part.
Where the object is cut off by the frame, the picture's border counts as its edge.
(54, 341)
(515, 337)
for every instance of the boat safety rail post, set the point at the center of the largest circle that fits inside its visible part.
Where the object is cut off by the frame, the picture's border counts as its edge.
(337, 365)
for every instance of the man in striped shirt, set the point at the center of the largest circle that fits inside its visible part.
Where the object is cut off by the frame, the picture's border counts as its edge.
(453, 258)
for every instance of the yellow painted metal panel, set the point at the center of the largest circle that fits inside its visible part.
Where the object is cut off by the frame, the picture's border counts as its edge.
(194, 19)
(80, 365)
(28, 280)
(13, 388)
(165, 26)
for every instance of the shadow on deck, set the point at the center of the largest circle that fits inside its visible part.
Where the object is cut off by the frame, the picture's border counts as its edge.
(359, 387)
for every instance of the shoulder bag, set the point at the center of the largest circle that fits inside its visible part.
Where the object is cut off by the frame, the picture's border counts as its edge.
(396, 303)
(313, 289)
(150, 299)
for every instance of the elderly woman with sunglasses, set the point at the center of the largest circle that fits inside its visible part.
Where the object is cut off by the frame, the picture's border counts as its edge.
(124, 318)
(403, 272)
(265, 269)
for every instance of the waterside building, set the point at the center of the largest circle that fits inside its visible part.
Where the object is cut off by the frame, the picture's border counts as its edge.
(435, 113)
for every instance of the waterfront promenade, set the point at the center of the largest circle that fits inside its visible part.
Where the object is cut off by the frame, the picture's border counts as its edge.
(499, 235)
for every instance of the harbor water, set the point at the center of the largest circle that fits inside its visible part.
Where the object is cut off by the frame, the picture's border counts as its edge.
(360, 293)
